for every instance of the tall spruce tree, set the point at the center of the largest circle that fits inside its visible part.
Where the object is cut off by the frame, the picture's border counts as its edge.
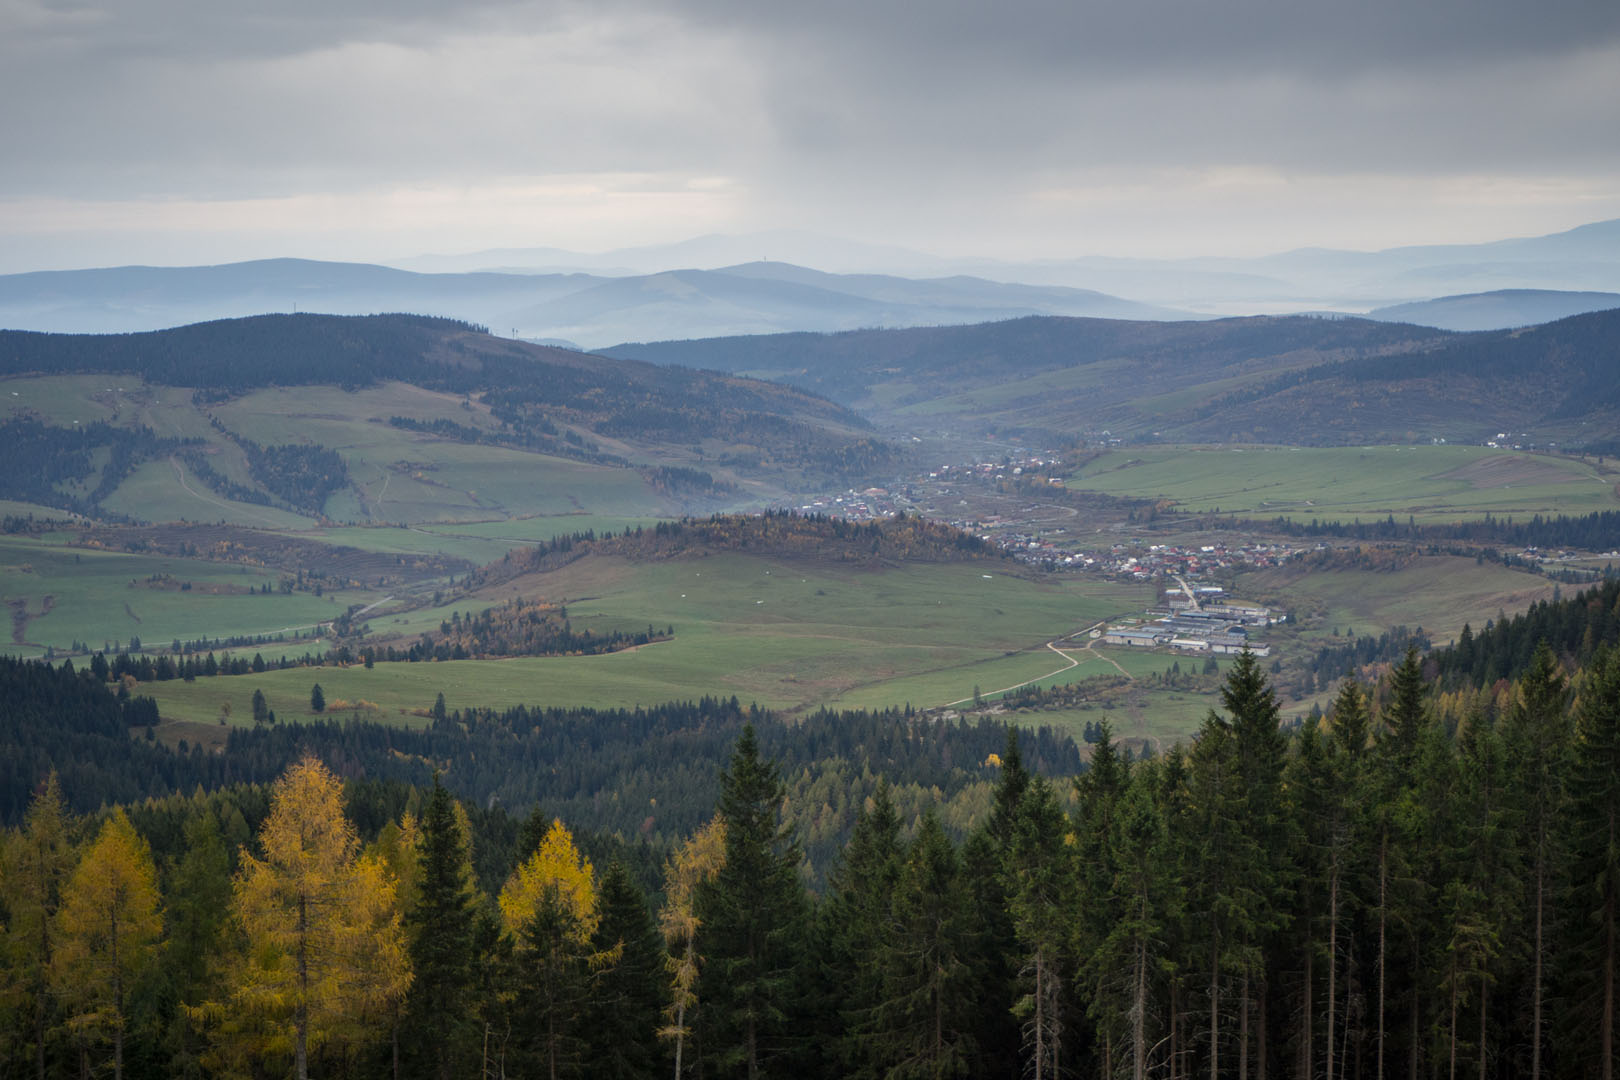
(626, 983)
(1097, 795)
(1040, 894)
(922, 1025)
(37, 865)
(751, 918)
(1136, 948)
(1222, 883)
(1591, 962)
(1254, 716)
(856, 921)
(1480, 901)
(441, 1030)
(1537, 736)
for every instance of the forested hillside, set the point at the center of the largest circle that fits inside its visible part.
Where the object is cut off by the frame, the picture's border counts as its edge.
(1381, 893)
(268, 446)
(1298, 380)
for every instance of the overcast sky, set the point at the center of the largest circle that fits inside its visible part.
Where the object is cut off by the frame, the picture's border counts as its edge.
(184, 131)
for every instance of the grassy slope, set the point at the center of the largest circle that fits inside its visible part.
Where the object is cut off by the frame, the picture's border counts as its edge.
(1430, 483)
(396, 475)
(98, 597)
(782, 635)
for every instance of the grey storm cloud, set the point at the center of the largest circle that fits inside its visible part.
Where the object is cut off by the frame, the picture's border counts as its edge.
(794, 102)
(1306, 37)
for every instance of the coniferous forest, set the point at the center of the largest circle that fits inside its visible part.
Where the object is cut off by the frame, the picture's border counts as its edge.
(1413, 886)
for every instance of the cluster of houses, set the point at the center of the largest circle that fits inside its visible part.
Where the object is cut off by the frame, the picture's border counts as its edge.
(1198, 621)
(1145, 562)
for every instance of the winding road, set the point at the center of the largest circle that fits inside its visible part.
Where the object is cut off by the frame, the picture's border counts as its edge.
(1070, 666)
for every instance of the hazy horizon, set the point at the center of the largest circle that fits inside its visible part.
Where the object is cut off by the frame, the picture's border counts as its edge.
(163, 132)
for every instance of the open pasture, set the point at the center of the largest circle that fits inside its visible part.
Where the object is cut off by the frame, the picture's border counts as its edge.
(1437, 592)
(785, 635)
(56, 595)
(1366, 483)
(396, 475)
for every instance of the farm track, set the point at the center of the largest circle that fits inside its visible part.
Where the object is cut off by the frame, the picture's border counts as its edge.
(1070, 666)
(180, 476)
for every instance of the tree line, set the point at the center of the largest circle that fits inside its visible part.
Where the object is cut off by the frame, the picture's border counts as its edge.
(1381, 893)
(1597, 531)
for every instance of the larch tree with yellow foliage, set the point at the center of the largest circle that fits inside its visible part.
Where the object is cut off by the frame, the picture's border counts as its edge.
(107, 933)
(326, 951)
(697, 860)
(549, 904)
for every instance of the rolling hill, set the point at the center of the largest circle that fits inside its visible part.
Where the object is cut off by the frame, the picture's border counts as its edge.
(394, 418)
(1499, 310)
(592, 309)
(1294, 379)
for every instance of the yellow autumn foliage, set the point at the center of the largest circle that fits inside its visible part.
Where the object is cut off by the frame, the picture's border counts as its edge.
(326, 949)
(696, 861)
(556, 867)
(107, 932)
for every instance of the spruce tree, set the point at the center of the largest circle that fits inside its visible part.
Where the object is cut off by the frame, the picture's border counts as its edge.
(1537, 737)
(1480, 901)
(922, 1025)
(36, 867)
(751, 916)
(1591, 963)
(1133, 958)
(626, 984)
(1040, 893)
(1221, 886)
(1261, 747)
(441, 1031)
(856, 921)
(1098, 792)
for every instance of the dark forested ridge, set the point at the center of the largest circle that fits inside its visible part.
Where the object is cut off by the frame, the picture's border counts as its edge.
(843, 366)
(1392, 890)
(530, 389)
(1299, 380)
(906, 537)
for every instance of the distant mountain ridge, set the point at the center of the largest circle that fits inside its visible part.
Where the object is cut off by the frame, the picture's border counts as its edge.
(1582, 259)
(1294, 379)
(1502, 309)
(586, 309)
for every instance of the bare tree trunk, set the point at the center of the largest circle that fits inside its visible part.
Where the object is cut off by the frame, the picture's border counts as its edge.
(1453, 1035)
(118, 1002)
(1535, 989)
(1383, 928)
(1243, 1026)
(301, 1013)
(1215, 1013)
(1412, 1053)
(1307, 1044)
(1040, 1021)
(1333, 956)
(1606, 1025)
(1260, 1031)
(1484, 995)
(1175, 1028)
(1139, 1016)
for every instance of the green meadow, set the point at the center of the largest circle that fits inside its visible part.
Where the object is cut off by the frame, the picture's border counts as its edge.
(1366, 483)
(397, 476)
(783, 635)
(1439, 593)
(104, 598)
